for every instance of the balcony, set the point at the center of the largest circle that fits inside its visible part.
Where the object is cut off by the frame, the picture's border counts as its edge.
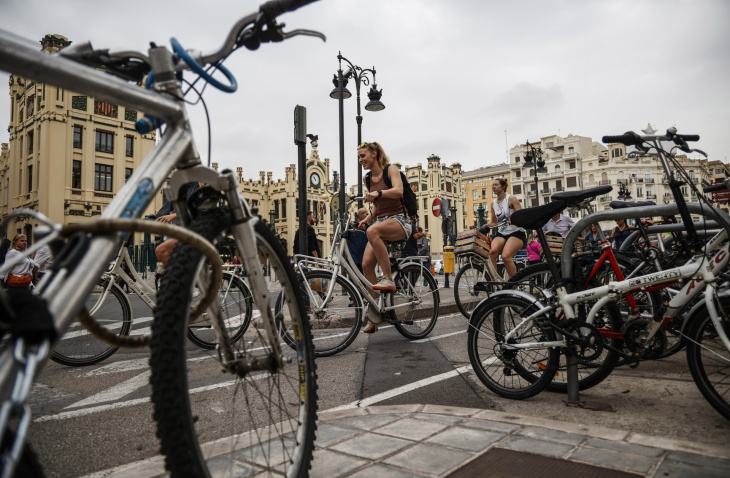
(570, 156)
(649, 180)
(651, 196)
(604, 182)
(558, 189)
(532, 194)
(622, 182)
(545, 191)
(605, 198)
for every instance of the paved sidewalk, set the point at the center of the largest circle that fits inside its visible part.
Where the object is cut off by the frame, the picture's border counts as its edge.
(436, 441)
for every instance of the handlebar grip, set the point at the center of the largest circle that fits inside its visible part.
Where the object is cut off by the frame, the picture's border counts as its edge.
(687, 137)
(715, 187)
(629, 138)
(277, 7)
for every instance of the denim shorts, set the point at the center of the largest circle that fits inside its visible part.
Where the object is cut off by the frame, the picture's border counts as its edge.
(402, 219)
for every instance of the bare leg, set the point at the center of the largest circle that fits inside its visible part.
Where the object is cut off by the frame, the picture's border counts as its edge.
(511, 248)
(496, 249)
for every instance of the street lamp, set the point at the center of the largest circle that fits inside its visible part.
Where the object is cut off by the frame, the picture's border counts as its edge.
(623, 193)
(341, 93)
(535, 154)
(272, 218)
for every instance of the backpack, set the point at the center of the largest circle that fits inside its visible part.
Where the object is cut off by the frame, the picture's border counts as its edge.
(409, 201)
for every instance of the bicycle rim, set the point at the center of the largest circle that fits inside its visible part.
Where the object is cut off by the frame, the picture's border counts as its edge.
(513, 374)
(709, 362)
(464, 284)
(417, 287)
(236, 305)
(213, 424)
(78, 346)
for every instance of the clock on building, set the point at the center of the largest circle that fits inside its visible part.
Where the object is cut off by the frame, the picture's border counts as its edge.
(314, 180)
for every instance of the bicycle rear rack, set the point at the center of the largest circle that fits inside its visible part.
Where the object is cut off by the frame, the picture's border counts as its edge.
(311, 262)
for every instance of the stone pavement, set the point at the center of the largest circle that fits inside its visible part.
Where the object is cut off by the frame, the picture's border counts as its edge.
(437, 441)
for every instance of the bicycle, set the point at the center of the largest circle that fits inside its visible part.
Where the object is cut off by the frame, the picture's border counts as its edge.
(271, 412)
(336, 295)
(111, 308)
(520, 355)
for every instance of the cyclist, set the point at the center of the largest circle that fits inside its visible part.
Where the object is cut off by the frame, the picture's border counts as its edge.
(509, 239)
(391, 222)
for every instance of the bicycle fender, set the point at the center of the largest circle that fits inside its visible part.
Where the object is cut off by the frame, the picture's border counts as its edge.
(507, 293)
(690, 316)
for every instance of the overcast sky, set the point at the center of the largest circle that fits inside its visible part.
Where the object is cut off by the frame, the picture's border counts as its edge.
(463, 79)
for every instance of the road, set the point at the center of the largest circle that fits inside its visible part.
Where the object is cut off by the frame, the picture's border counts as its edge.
(94, 418)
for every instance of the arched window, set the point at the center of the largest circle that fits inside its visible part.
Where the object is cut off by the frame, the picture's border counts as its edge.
(557, 168)
(532, 172)
(691, 174)
(591, 178)
(571, 149)
(634, 176)
(647, 176)
(604, 178)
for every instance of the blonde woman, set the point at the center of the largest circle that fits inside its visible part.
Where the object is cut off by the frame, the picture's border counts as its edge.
(20, 276)
(389, 221)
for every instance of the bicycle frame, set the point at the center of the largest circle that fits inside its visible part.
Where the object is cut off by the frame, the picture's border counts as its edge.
(66, 290)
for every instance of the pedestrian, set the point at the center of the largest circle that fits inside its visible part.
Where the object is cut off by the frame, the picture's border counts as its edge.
(357, 240)
(509, 239)
(559, 224)
(423, 248)
(44, 259)
(620, 233)
(159, 272)
(592, 236)
(533, 250)
(20, 275)
(312, 244)
(387, 220)
(167, 215)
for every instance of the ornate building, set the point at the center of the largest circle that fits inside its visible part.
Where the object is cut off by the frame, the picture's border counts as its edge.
(68, 154)
(477, 192)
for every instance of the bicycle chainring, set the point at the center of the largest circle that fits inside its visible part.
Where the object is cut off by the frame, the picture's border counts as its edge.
(589, 345)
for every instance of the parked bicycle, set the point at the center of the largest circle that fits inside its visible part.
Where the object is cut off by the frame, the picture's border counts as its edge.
(515, 338)
(336, 295)
(270, 403)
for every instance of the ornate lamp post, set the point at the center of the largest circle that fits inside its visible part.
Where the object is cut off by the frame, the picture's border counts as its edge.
(272, 218)
(341, 93)
(535, 154)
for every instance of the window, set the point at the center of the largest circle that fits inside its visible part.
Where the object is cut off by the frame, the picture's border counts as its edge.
(534, 203)
(76, 175)
(647, 177)
(283, 208)
(517, 159)
(571, 182)
(103, 177)
(448, 186)
(617, 153)
(691, 172)
(639, 192)
(517, 189)
(474, 194)
(130, 146)
(591, 179)
(104, 141)
(127, 173)
(78, 135)
(30, 142)
(484, 193)
(30, 178)
(518, 173)
(571, 150)
(557, 168)
(571, 165)
(549, 144)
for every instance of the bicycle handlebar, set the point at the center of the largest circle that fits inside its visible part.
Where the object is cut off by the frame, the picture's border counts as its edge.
(631, 139)
(716, 187)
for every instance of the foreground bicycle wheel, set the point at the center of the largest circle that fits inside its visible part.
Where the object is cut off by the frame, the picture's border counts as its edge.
(236, 306)
(511, 373)
(416, 287)
(709, 359)
(465, 295)
(334, 325)
(213, 424)
(110, 307)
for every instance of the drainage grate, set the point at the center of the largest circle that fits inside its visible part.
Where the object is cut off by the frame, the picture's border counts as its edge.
(503, 463)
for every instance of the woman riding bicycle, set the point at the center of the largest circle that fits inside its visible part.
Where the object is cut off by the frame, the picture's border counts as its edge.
(509, 239)
(391, 222)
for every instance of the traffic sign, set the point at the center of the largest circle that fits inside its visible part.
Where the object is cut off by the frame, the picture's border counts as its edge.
(436, 207)
(721, 196)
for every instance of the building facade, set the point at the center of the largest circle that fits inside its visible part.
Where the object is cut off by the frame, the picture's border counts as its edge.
(68, 154)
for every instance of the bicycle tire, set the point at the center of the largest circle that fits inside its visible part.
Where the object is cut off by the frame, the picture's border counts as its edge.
(270, 421)
(516, 375)
(237, 308)
(78, 347)
(591, 373)
(417, 320)
(709, 360)
(335, 325)
(465, 296)
(28, 465)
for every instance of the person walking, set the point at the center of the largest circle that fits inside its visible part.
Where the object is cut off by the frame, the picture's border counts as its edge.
(509, 239)
(312, 244)
(20, 276)
(388, 218)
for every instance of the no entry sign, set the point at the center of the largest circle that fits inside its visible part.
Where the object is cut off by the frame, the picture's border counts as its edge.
(436, 207)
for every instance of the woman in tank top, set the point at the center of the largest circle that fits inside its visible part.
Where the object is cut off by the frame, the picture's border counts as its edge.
(509, 239)
(389, 222)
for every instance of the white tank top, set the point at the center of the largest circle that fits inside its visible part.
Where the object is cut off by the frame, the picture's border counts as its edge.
(503, 212)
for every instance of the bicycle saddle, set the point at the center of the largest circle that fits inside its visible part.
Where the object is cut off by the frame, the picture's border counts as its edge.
(574, 198)
(623, 204)
(536, 217)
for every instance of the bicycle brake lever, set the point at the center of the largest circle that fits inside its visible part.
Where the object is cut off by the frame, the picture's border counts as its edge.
(301, 31)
